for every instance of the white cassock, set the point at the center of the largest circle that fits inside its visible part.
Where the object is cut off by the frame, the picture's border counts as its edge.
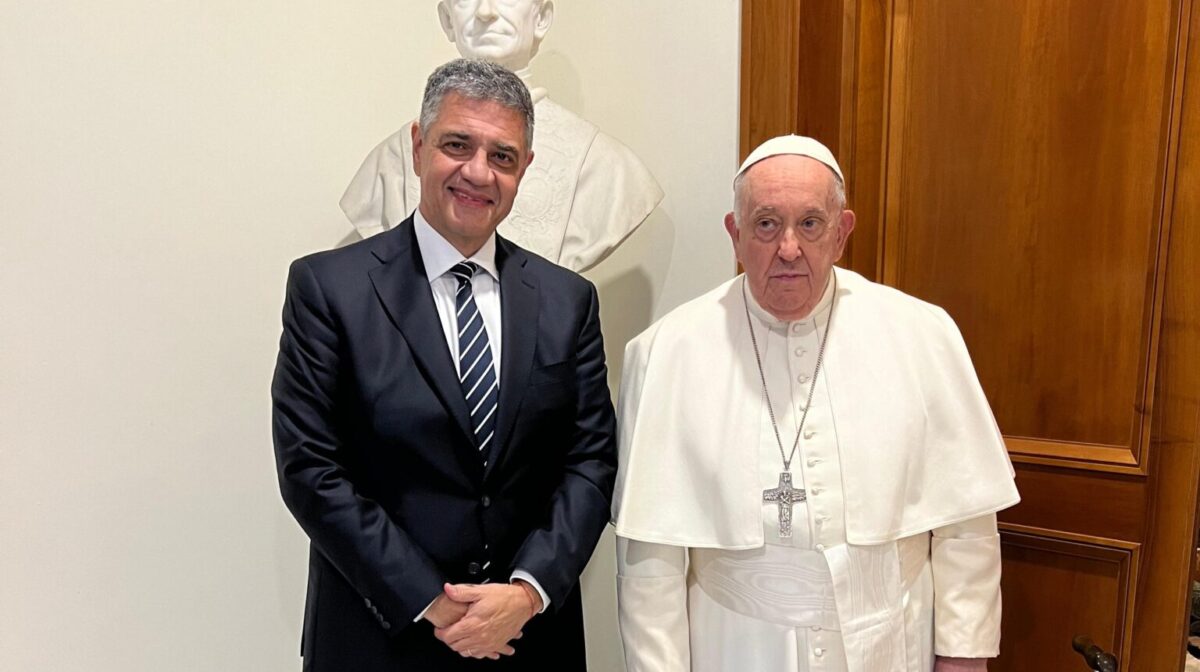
(893, 558)
(582, 195)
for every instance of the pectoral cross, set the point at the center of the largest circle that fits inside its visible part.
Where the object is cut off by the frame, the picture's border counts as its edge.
(785, 496)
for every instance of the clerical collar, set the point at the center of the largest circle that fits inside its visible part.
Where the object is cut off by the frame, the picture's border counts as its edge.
(439, 256)
(536, 93)
(770, 320)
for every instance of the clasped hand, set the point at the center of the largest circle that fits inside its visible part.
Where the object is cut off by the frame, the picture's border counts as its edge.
(479, 621)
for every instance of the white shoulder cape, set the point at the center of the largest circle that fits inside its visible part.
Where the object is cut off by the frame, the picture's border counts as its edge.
(918, 444)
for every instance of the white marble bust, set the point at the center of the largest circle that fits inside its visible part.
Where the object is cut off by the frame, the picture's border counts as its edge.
(583, 193)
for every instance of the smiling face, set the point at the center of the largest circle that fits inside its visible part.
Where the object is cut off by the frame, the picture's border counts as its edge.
(470, 161)
(501, 31)
(788, 229)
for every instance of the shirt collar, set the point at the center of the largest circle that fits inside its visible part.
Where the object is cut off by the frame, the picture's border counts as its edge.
(440, 256)
(771, 321)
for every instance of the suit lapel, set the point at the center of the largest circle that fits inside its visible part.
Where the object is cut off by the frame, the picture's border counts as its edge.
(519, 324)
(403, 288)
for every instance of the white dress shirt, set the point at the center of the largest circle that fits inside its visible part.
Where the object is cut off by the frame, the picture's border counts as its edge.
(439, 256)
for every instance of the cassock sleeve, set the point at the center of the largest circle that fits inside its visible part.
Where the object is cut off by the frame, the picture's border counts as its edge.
(652, 606)
(966, 588)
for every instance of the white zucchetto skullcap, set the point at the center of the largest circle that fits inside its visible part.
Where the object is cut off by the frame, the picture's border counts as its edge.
(792, 144)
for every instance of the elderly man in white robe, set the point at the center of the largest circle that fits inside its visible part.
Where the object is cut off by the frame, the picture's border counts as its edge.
(809, 470)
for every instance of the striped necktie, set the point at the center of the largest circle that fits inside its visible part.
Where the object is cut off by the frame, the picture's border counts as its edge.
(476, 370)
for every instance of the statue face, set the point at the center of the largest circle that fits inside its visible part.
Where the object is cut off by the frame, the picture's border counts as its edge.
(507, 32)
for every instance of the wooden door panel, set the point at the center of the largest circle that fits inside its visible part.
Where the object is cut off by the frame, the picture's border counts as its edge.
(1093, 577)
(1024, 189)
(1082, 502)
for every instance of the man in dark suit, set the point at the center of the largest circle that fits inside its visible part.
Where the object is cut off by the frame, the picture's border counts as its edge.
(442, 423)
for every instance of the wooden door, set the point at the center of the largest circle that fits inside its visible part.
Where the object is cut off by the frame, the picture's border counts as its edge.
(1033, 166)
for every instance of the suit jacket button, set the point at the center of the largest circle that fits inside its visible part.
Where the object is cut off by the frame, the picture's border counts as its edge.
(473, 568)
(486, 501)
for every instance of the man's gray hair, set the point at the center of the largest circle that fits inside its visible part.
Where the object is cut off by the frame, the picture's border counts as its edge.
(839, 191)
(480, 81)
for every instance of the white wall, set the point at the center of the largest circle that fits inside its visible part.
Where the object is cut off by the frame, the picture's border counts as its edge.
(160, 164)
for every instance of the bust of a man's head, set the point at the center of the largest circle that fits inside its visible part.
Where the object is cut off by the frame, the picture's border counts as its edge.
(507, 32)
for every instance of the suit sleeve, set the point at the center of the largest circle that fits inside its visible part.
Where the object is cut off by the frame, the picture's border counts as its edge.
(966, 588)
(558, 550)
(395, 577)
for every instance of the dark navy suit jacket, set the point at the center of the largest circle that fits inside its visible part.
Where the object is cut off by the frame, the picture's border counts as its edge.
(379, 465)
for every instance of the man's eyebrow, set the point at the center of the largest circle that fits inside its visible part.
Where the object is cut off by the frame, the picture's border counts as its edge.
(505, 147)
(771, 209)
(455, 135)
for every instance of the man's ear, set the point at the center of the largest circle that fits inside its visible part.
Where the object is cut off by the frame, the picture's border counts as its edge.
(732, 229)
(444, 17)
(845, 227)
(417, 144)
(543, 21)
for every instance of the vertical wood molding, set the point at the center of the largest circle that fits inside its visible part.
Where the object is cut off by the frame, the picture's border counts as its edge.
(865, 63)
(794, 78)
(1160, 628)
(769, 70)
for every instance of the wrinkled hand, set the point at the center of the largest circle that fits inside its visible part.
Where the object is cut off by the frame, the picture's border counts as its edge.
(942, 664)
(444, 612)
(495, 615)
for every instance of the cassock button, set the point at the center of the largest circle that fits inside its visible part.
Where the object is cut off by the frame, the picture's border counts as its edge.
(818, 652)
(820, 547)
(809, 433)
(803, 378)
(473, 568)
(812, 461)
(816, 628)
(800, 352)
(797, 327)
(486, 501)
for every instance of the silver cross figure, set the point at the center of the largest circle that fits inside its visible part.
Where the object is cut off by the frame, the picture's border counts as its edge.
(785, 496)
